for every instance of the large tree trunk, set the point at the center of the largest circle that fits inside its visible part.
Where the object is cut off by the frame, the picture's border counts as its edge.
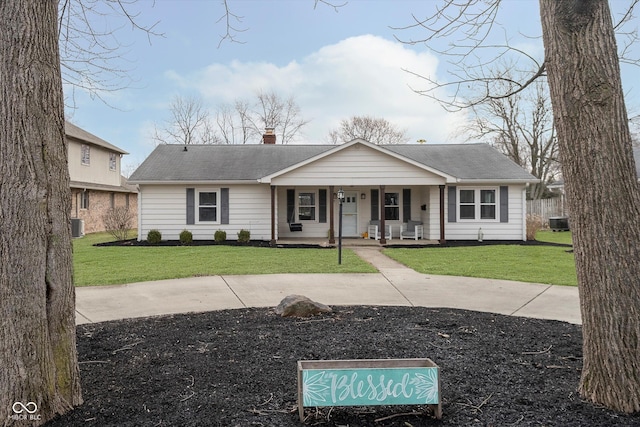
(38, 359)
(602, 192)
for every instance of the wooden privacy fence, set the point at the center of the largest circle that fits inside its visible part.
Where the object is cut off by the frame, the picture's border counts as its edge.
(546, 208)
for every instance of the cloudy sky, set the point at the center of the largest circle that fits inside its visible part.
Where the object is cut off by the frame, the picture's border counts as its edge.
(336, 64)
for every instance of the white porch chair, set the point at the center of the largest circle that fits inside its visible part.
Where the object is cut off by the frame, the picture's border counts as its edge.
(374, 230)
(412, 230)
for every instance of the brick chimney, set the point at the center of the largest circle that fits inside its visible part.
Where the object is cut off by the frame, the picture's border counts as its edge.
(269, 136)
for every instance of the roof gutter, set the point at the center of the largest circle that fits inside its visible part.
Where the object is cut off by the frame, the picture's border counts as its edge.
(497, 181)
(198, 182)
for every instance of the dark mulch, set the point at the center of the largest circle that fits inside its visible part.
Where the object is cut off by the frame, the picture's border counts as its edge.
(238, 368)
(266, 244)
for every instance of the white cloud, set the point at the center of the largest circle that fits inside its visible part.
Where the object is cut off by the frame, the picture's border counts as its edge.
(361, 75)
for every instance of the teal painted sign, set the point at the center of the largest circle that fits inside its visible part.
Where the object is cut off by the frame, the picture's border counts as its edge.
(370, 386)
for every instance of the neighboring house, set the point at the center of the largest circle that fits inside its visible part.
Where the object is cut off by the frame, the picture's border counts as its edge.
(454, 190)
(96, 183)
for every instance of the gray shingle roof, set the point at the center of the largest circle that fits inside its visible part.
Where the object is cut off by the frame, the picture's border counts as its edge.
(221, 162)
(464, 161)
(74, 131)
(200, 163)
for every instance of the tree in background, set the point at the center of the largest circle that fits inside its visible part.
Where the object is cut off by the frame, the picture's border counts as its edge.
(38, 358)
(521, 127)
(189, 123)
(597, 164)
(246, 121)
(243, 122)
(372, 129)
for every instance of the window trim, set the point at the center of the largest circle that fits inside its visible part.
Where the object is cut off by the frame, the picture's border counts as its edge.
(197, 205)
(113, 162)
(84, 200)
(477, 204)
(397, 206)
(314, 205)
(85, 160)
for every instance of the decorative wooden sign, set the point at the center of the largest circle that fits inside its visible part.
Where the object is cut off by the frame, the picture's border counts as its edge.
(368, 382)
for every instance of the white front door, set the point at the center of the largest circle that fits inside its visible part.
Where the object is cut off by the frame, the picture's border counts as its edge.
(350, 214)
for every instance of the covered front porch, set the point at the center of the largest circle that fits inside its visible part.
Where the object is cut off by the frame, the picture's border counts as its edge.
(309, 212)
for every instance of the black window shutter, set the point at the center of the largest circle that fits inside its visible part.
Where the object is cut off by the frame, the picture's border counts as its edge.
(191, 206)
(322, 205)
(504, 203)
(224, 206)
(406, 204)
(452, 204)
(291, 204)
(375, 210)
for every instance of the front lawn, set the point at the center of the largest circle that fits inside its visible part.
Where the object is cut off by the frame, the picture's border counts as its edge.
(526, 263)
(107, 265)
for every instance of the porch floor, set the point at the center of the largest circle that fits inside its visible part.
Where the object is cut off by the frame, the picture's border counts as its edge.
(354, 242)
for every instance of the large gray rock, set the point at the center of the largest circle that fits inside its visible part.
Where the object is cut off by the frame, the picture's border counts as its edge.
(300, 306)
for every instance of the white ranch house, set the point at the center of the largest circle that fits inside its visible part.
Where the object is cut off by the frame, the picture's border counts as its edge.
(452, 190)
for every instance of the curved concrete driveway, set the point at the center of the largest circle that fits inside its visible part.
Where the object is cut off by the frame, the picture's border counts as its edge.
(394, 284)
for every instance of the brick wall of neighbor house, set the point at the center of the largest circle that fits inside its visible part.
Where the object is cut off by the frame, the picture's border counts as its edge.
(99, 203)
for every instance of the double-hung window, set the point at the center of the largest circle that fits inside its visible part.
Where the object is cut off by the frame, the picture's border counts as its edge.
(84, 200)
(392, 206)
(207, 206)
(477, 204)
(487, 204)
(113, 162)
(467, 204)
(307, 206)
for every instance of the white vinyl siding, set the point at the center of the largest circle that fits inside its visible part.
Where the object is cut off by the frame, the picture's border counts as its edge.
(492, 229)
(358, 166)
(163, 207)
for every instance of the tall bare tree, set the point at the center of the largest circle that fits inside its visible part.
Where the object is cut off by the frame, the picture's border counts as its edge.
(38, 359)
(521, 127)
(246, 121)
(597, 163)
(189, 123)
(373, 129)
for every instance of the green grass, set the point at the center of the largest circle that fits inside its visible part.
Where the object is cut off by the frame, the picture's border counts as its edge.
(118, 265)
(537, 264)
(557, 237)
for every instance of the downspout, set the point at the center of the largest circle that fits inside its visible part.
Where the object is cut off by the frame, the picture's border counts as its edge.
(524, 213)
(139, 212)
(273, 216)
(442, 239)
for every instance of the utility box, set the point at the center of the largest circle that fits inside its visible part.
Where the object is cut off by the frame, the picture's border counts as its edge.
(559, 223)
(77, 227)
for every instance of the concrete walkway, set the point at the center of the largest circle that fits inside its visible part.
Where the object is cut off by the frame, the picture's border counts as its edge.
(394, 284)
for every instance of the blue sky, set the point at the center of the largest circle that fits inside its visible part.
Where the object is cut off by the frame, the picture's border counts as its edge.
(335, 64)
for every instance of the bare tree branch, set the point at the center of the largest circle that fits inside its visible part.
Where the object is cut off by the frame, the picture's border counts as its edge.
(89, 45)
(467, 27)
(371, 129)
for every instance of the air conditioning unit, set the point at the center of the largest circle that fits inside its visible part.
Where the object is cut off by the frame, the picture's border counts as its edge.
(559, 223)
(77, 227)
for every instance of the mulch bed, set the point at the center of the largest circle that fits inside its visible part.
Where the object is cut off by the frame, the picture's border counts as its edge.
(238, 368)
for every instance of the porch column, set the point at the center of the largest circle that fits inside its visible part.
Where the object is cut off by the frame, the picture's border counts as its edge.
(381, 198)
(332, 234)
(273, 216)
(442, 240)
